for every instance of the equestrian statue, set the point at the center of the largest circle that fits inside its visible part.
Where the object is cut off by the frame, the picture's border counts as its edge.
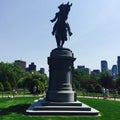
(61, 29)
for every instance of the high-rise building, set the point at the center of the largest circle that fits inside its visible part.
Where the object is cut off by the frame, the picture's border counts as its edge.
(32, 67)
(118, 64)
(83, 68)
(114, 71)
(42, 70)
(21, 64)
(104, 66)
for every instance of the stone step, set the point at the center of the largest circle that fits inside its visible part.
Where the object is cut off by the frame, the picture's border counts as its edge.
(62, 108)
(37, 108)
(63, 113)
(61, 104)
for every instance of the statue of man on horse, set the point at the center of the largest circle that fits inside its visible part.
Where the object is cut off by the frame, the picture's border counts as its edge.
(61, 27)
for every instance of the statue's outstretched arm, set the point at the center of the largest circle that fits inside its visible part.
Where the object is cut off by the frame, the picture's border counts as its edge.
(54, 19)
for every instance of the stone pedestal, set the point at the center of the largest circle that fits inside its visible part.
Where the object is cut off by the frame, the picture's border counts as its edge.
(60, 76)
(60, 98)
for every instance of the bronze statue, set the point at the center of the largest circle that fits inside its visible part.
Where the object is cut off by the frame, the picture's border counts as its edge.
(61, 27)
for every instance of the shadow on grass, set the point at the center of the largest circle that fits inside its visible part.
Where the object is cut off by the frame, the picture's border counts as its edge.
(19, 109)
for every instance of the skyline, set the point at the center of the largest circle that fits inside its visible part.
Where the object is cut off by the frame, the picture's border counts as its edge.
(25, 31)
(106, 67)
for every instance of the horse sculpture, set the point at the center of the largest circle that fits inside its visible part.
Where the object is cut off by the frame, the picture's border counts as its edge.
(61, 27)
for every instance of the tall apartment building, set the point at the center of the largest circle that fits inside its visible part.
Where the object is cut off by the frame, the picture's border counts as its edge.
(104, 66)
(118, 64)
(114, 71)
(21, 64)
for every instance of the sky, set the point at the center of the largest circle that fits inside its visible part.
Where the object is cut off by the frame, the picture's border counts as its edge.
(25, 31)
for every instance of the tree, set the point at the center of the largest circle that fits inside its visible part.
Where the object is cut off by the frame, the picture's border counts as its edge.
(42, 87)
(28, 83)
(7, 86)
(118, 82)
(90, 88)
(16, 77)
(98, 88)
(1, 87)
(106, 80)
(85, 84)
(33, 79)
(10, 72)
(79, 77)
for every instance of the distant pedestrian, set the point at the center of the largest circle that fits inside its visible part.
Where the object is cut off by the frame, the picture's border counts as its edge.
(34, 90)
(107, 93)
(103, 92)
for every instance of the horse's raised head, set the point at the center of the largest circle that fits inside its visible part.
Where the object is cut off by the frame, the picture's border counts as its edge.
(67, 7)
(69, 4)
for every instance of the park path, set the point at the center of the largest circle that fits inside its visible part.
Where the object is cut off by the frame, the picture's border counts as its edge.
(115, 99)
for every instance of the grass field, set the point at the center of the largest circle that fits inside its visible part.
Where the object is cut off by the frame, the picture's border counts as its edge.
(14, 109)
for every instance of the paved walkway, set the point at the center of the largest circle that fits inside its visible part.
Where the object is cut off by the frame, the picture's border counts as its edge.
(115, 99)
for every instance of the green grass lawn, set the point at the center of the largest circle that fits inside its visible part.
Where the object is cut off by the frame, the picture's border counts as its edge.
(14, 109)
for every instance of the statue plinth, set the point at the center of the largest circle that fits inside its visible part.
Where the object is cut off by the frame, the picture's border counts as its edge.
(60, 98)
(60, 76)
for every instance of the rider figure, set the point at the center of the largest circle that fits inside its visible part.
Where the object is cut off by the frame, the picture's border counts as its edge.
(60, 18)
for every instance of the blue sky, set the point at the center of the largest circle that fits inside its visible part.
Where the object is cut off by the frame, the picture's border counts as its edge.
(25, 31)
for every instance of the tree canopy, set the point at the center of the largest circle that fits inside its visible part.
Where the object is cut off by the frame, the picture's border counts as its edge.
(13, 77)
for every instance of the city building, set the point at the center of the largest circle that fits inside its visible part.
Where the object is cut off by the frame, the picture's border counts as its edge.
(95, 72)
(83, 68)
(114, 71)
(42, 70)
(118, 64)
(104, 66)
(32, 67)
(21, 64)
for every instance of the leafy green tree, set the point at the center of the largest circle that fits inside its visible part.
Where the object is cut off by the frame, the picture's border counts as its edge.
(41, 77)
(79, 77)
(90, 88)
(36, 83)
(7, 86)
(10, 72)
(76, 85)
(1, 87)
(33, 79)
(28, 83)
(106, 80)
(118, 82)
(42, 87)
(98, 88)
(18, 78)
